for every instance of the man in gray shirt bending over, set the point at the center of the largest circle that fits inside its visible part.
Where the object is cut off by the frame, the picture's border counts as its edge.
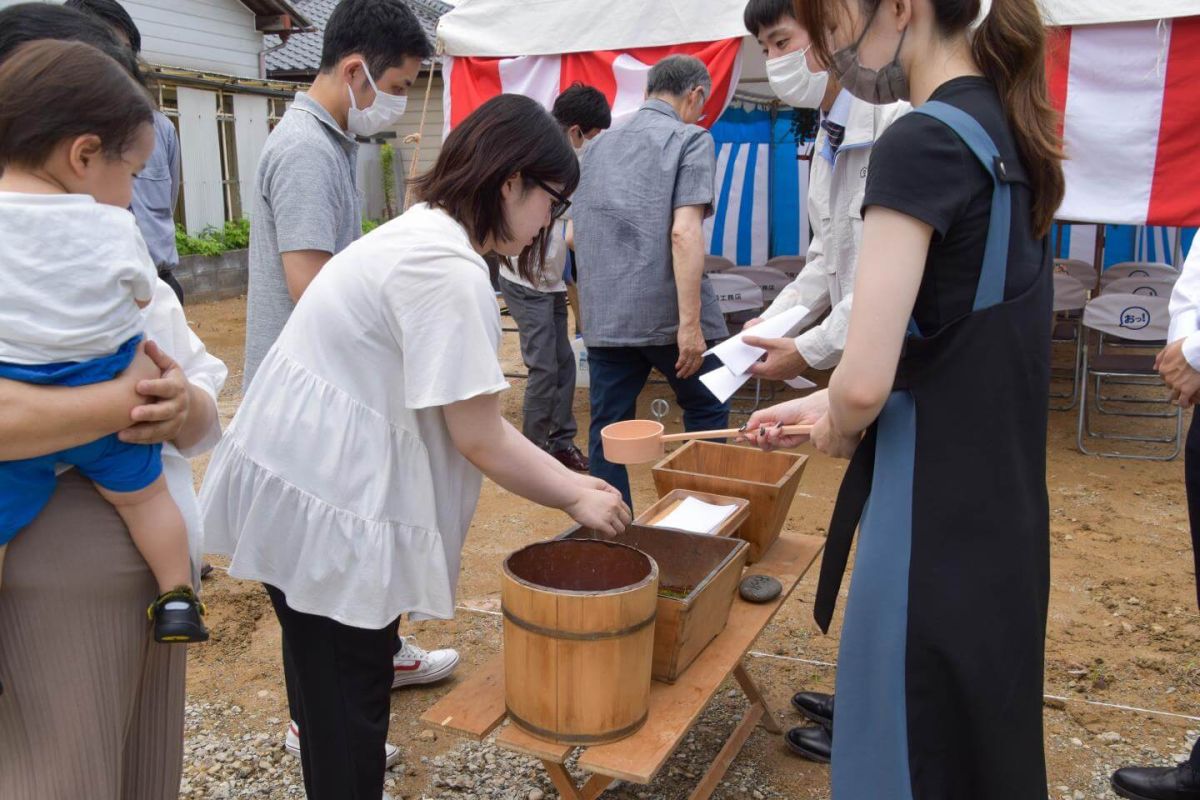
(306, 201)
(646, 187)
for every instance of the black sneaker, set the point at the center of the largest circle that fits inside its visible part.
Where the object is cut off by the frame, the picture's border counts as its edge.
(178, 625)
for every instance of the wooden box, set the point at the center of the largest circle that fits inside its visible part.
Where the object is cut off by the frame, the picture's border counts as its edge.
(667, 503)
(706, 569)
(767, 480)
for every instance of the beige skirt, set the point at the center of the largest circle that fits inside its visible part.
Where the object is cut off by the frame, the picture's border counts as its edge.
(92, 706)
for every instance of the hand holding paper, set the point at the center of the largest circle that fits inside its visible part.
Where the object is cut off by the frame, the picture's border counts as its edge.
(738, 357)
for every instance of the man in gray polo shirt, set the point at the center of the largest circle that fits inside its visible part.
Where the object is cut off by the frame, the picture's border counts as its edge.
(306, 209)
(645, 189)
(306, 202)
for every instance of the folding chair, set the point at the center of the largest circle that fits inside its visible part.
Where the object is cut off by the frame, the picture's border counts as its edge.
(788, 265)
(1081, 271)
(717, 264)
(1137, 269)
(1147, 285)
(737, 295)
(741, 299)
(1135, 318)
(1070, 296)
(772, 281)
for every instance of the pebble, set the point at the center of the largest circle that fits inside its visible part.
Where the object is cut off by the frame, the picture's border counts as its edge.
(536, 794)
(427, 736)
(1109, 737)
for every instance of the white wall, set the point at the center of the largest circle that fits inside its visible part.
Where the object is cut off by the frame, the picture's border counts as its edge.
(431, 143)
(208, 35)
(200, 151)
(205, 35)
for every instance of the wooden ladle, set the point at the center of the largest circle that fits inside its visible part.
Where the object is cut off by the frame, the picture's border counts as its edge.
(637, 441)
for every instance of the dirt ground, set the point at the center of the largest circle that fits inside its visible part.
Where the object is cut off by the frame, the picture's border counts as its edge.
(1121, 666)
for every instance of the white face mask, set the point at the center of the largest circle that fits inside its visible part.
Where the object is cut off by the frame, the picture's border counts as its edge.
(794, 83)
(383, 113)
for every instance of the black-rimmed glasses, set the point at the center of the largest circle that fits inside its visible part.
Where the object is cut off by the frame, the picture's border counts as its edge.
(561, 203)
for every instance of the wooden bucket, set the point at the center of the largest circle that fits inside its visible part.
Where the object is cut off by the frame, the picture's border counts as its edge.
(578, 639)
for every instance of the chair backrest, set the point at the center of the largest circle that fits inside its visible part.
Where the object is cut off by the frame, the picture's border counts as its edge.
(717, 264)
(736, 293)
(1139, 269)
(1069, 293)
(1136, 317)
(1081, 271)
(1152, 286)
(769, 279)
(788, 265)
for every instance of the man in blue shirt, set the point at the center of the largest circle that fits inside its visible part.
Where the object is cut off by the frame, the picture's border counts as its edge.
(156, 187)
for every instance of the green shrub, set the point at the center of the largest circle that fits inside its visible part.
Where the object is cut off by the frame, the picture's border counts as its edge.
(233, 235)
(369, 225)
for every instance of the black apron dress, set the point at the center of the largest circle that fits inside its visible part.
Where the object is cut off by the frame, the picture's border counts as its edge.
(939, 683)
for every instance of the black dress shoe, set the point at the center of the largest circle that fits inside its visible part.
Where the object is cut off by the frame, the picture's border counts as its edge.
(813, 742)
(817, 706)
(1157, 783)
(571, 458)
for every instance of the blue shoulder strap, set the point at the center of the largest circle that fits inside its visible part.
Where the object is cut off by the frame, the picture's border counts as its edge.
(990, 291)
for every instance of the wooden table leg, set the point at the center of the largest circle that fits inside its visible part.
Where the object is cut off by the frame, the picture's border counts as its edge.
(733, 746)
(755, 696)
(595, 786)
(562, 781)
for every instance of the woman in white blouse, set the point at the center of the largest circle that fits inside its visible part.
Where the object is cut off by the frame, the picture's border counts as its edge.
(349, 477)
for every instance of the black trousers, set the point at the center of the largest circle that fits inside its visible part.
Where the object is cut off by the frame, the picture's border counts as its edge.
(1191, 479)
(168, 277)
(339, 682)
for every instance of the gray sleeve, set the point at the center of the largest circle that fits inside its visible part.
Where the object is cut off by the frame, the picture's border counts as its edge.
(174, 161)
(299, 189)
(695, 180)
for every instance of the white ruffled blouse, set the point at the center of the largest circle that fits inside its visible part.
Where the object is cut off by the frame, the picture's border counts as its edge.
(337, 481)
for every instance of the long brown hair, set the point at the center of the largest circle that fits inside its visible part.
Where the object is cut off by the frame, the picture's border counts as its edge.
(1010, 49)
(53, 90)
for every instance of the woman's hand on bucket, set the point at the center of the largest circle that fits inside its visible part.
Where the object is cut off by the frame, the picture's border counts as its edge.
(599, 506)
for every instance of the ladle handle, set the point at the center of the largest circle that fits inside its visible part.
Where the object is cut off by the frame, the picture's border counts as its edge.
(789, 430)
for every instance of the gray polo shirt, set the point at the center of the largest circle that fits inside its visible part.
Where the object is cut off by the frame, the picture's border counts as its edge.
(633, 179)
(305, 198)
(155, 190)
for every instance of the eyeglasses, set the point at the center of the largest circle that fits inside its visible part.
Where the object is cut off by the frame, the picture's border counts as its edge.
(560, 204)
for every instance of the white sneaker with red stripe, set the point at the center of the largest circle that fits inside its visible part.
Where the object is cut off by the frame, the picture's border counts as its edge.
(292, 742)
(413, 666)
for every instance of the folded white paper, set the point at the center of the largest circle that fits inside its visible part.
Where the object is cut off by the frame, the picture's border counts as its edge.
(696, 516)
(738, 356)
(723, 383)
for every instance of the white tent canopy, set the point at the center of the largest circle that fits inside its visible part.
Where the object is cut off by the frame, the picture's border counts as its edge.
(545, 27)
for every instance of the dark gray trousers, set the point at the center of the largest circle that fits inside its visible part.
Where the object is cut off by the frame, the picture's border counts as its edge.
(541, 319)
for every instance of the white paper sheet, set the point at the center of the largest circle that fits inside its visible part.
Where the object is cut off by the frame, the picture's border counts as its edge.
(738, 356)
(696, 516)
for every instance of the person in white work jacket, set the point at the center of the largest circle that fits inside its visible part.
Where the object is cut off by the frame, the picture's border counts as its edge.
(838, 177)
(1179, 366)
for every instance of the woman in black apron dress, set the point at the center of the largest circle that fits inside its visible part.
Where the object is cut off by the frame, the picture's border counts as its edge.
(941, 398)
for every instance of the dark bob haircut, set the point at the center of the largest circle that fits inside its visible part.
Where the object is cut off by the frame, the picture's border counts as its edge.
(43, 101)
(508, 134)
(113, 15)
(585, 106)
(384, 32)
(761, 14)
(29, 22)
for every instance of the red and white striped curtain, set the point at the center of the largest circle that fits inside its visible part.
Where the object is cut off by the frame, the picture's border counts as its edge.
(620, 74)
(1130, 96)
